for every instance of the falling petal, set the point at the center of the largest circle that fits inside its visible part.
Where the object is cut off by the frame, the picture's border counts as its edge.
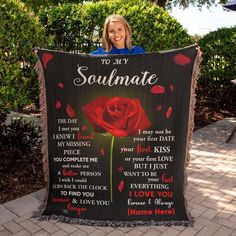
(181, 59)
(121, 186)
(61, 85)
(168, 112)
(158, 108)
(121, 169)
(102, 152)
(70, 111)
(84, 127)
(46, 57)
(171, 87)
(157, 89)
(58, 104)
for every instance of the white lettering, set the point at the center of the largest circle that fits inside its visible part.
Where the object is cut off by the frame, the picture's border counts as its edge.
(144, 78)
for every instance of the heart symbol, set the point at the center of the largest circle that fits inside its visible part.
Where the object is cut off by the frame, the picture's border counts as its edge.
(70, 111)
(121, 186)
(46, 57)
(58, 104)
(157, 89)
(168, 112)
(181, 59)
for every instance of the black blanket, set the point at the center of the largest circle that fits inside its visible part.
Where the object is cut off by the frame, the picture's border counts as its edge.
(116, 133)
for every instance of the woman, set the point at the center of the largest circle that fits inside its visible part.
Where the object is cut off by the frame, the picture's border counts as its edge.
(116, 37)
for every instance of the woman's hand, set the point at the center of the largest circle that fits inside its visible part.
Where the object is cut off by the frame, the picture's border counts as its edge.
(35, 51)
(199, 52)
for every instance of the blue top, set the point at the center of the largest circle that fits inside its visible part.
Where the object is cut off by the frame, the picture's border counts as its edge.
(134, 50)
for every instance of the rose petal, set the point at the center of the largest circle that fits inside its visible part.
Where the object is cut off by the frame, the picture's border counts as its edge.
(118, 107)
(171, 86)
(168, 112)
(158, 89)
(90, 112)
(158, 108)
(139, 121)
(121, 186)
(61, 85)
(102, 151)
(58, 104)
(109, 126)
(118, 133)
(84, 127)
(181, 59)
(70, 111)
(46, 57)
(121, 169)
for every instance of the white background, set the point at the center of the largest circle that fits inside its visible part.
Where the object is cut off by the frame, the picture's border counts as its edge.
(203, 21)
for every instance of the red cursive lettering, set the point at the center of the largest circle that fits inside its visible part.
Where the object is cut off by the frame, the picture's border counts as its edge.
(167, 180)
(69, 173)
(85, 137)
(60, 200)
(78, 210)
(140, 149)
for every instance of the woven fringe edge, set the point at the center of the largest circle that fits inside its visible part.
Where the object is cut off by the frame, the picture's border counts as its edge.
(195, 74)
(64, 219)
(43, 121)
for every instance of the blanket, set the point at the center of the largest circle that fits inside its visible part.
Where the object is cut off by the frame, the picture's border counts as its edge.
(116, 136)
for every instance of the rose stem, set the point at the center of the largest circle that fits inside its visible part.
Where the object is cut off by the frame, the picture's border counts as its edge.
(111, 151)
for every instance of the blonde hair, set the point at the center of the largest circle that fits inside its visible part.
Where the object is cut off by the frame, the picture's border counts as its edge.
(106, 43)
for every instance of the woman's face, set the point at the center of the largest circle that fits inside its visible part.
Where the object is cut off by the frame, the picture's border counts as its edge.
(117, 34)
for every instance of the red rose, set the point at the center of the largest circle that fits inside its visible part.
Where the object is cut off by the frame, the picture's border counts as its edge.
(119, 116)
